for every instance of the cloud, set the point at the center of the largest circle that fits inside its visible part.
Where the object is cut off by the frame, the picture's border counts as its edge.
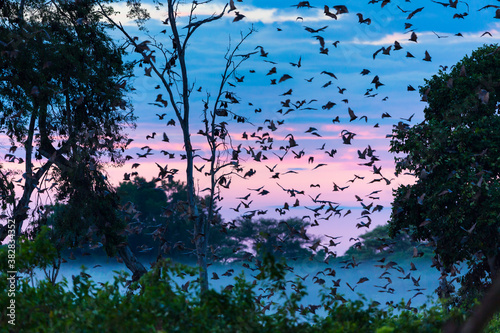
(275, 15)
(252, 13)
(383, 40)
(429, 37)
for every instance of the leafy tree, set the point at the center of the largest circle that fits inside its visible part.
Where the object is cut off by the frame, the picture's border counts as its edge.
(454, 155)
(60, 72)
(161, 214)
(149, 199)
(62, 99)
(283, 239)
(377, 243)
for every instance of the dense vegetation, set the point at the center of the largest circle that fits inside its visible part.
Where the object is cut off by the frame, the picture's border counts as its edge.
(454, 153)
(156, 227)
(157, 303)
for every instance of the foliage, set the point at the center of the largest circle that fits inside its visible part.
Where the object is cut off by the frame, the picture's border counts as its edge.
(160, 226)
(454, 154)
(161, 207)
(148, 198)
(149, 201)
(494, 325)
(377, 243)
(284, 238)
(101, 208)
(37, 253)
(157, 304)
(92, 203)
(64, 77)
(7, 192)
(95, 207)
(68, 64)
(281, 238)
(156, 225)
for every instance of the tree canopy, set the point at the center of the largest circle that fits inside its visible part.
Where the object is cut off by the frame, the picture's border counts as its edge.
(161, 226)
(62, 89)
(63, 102)
(281, 238)
(455, 156)
(376, 243)
(160, 214)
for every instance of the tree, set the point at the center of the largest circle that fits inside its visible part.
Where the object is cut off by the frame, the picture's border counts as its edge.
(147, 197)
(454, 155)
(62, 100)
(169, 67)
(377, 243)
(282, 239)
(161, 226)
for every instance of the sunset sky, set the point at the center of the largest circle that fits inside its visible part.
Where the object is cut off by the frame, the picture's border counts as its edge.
(283, 35)
(281, 32)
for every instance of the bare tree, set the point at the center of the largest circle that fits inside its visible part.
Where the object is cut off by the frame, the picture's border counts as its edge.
(175, 79)
(217, 134)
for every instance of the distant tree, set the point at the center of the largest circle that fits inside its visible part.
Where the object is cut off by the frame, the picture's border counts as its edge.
(161, 226)
(378, 243)
(149, 198)
(454, 155)
(281, 238)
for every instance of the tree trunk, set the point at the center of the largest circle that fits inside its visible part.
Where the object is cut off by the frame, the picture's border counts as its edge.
(200, 229)
(482, 313)
(492, 264)
(131, 262)
(201, 251)
(20, 213)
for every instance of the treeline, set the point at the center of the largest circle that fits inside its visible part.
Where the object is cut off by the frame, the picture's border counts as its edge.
(155, 225)
(377, 243)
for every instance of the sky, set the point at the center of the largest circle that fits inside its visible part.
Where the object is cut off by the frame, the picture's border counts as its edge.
(281, 31)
